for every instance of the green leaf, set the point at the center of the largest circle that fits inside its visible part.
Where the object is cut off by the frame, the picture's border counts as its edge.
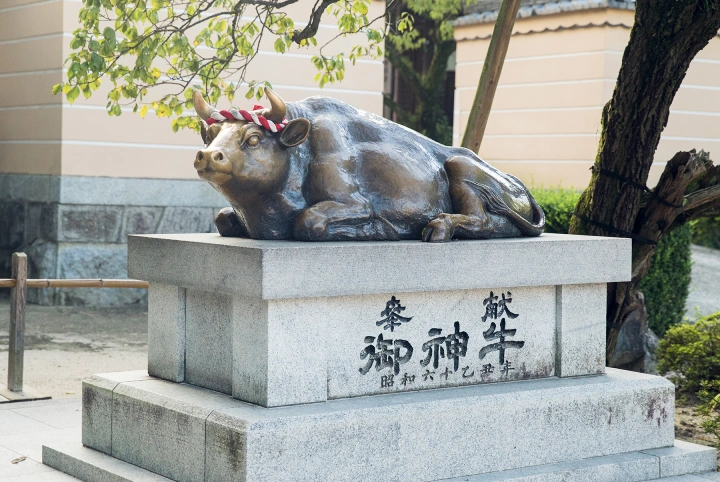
(279, 46)
(360, 7)
(109, 33)
(73, 94)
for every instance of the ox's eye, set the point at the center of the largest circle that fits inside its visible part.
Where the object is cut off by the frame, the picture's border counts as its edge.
(253, 141)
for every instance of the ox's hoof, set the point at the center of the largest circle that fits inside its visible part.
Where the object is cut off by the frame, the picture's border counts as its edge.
(439, 230)
(311, 226)
(228, 224)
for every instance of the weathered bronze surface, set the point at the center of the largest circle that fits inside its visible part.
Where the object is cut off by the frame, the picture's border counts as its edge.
(338, 173)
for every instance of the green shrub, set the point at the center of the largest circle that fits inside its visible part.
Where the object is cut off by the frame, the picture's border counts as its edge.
(709, 408)
(667, 283)
(558, 204)
(692, 351)
(706, 232)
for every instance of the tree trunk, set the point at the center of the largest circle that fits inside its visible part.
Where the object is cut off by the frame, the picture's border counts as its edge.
(665, 38)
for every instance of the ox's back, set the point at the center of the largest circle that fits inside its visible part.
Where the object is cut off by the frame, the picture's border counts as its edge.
(360, 127)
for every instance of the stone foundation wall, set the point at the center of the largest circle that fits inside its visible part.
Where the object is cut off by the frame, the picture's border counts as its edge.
(77, 227)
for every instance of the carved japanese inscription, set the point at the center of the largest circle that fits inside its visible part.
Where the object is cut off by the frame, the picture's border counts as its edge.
(459, 338)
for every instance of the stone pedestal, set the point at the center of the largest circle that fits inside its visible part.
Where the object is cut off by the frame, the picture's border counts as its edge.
(403, 361)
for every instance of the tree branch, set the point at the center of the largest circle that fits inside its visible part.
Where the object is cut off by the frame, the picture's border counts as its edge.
(314, 23)
(703, 196)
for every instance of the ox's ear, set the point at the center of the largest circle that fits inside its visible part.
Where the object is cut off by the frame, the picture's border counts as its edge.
(204, 133)
(295, 132)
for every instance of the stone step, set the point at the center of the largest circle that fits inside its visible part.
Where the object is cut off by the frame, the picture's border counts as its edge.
(672, 463)
(89, 465)
(188, 433)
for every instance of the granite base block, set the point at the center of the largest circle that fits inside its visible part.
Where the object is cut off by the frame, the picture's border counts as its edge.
(182, 432)
(280, 323)
(91, 466)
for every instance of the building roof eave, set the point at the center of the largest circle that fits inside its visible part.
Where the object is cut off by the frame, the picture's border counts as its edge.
(479, 15)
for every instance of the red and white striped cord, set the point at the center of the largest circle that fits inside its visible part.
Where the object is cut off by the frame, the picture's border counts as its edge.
(250, 116)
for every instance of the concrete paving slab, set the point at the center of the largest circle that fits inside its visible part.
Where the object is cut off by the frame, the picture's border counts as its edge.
(20, 467)
(54, 476)
(12, 422)
(66, 414)
(30, 444)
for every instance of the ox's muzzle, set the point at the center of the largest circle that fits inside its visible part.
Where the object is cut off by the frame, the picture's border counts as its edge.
(214, 166)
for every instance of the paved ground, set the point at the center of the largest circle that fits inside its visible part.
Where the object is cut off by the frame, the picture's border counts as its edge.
(704, 295)
(25, 427)
(66, 344)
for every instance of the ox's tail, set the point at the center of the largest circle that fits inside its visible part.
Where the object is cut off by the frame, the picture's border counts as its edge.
(495, 204)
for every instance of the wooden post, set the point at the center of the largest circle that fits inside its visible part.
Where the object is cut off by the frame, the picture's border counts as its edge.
(475, 129)
(18, 297)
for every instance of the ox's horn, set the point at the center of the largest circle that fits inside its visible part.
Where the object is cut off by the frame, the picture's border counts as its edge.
(276, 112)
(201, 107)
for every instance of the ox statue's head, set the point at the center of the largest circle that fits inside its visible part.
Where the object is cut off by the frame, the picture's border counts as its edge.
(238, 150)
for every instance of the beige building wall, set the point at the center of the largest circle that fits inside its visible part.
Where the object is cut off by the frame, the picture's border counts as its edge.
(43, 134)
(559, 72)
(75, 182)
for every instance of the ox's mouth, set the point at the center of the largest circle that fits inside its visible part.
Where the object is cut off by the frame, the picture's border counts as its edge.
(214, 177)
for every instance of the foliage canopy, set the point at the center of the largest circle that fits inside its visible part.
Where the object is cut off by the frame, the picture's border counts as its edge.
(172, 45)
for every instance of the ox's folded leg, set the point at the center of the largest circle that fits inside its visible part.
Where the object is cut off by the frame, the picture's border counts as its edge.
(334, 220)
(447, 226)
(471, 220)
(228, 224)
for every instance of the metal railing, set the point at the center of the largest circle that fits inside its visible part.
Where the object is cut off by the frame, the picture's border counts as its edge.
(19, 284)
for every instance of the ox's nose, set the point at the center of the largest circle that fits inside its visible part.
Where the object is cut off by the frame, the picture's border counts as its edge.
(212, 159)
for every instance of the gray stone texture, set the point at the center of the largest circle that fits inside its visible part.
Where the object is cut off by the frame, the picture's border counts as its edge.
(166, 332)
(97, 394)
(291, 269)
(286, 352)
(77, 261)
(139, 192)
(41, 222)
(97, 413)
(160, 426)
(208, 340)
(12, 220)
(684, 458)
(88, 465)
(140, 220)
(90, 224)
(42, 263)
(186, 432)
(40, 214)
(627, 467)
(268, 334)
(187, 220)
(581, 329)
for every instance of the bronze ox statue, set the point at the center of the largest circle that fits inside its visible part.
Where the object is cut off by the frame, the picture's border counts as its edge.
(335, 172)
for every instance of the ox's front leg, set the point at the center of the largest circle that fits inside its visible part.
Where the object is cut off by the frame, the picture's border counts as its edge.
(333, 220)
(336, 209)
(228, 224)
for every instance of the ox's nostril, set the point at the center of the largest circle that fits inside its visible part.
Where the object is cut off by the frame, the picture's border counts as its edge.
(199, 156)
(217, 156)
